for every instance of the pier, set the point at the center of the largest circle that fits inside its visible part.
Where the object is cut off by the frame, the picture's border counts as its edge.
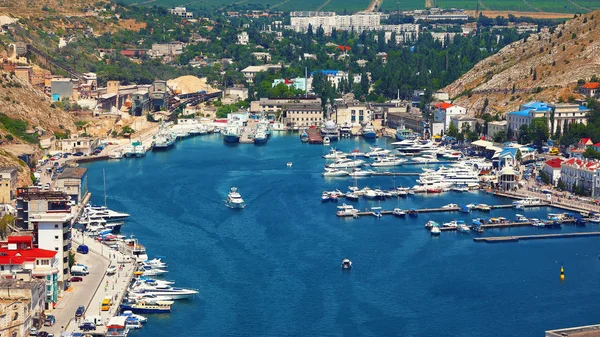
(314, 136)
(499, 239)
(444, 209)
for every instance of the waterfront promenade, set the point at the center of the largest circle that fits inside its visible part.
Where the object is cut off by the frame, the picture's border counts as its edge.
(561, 201)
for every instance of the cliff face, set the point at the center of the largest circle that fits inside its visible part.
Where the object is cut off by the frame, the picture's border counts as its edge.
(546, 67)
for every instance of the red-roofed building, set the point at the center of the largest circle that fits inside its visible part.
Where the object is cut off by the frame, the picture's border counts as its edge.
(18, 259)
(578, 173)
(552, 167)
(590, 89)
(444, 112)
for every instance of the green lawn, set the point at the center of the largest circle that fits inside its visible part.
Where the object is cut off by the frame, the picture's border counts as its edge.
(565, 6)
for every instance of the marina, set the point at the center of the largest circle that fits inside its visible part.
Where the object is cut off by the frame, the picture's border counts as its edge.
(247, 249)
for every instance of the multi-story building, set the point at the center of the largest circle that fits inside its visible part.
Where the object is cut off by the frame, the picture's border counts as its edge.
(53, 232)
(73, 181)
(567, 113)
(464, 122)
(526, 114)
(581, 173)
(85, 145)
(243, 38)
(299, 83)
(20, 260)
(557, 115)
(335, 76)
(590, 89)
(181, 12)
(33, 201)
(22, 305)
(359, 22)
(496, 127)
(274, 105)
(8, 183)
(352, 113)
(444, 112)
(552, 168)
(251, 71)
(61, 88)
(262, 56)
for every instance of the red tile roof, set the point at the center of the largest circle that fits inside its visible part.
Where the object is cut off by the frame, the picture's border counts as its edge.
(443, 106)
(591, 85)
(584, 141)
(554, 163)
(19, 256)
(20, 239)
(597, 144)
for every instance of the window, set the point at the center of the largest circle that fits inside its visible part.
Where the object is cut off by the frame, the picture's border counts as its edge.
(45, 262)
(55, 237)
(55, 226)
(16, 316)
(56, 249)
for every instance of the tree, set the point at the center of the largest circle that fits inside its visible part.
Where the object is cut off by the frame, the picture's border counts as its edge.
(6, 221)
(590, 153)
(518, 156)
(452, 131)
(538, 130)
(500, 137)
(561, 184)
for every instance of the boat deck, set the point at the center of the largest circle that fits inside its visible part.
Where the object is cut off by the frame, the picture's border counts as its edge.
(314, 136)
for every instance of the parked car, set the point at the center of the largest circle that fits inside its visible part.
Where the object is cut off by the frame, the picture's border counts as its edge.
(43, 334)
(80, 311)
(111, 270)
(83, 249)
(50, 320)
(78, 154)
(33, 332)
(76, 279)
(87, 326)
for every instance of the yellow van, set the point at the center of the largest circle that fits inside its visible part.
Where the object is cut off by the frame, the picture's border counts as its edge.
(106, 304)
(554, 151)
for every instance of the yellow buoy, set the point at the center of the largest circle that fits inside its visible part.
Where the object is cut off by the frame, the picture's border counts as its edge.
(562, 273)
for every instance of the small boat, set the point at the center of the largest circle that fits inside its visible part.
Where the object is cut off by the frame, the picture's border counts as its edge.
(483, 207)
(116, 155)
(594, 218)
(413, 212)
(150, 271)
(520, 218)
(357, 172)
(464, 209)
(156, 263)
(351, 196)
(346, 210)
(333, 172)
(304, 137)
(346, 264)
(435, 231)
(368, 132)
(129, 313)
(148, 308)
(234, 199)
(452, 224)
(402, 192)
(376, 211)
(333, 197)
(431, 223)
(289, 164)
(537, 223)
(463, 228)
(326, 141)
(116, 327)
(334, 154)
(519, 206)
(399, 213)
(450, 206)
(325, 197)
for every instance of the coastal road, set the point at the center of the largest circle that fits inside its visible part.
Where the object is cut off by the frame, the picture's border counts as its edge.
(80, 293)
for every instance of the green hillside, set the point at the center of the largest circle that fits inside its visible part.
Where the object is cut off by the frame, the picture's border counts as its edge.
(564, 6)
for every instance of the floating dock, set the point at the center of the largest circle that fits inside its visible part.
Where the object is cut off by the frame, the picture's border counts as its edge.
(314, 136)
(499, 239)
(443, 209)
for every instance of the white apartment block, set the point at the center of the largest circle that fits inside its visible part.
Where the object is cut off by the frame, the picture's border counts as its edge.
(444, 112)
(243, 39)
(181, 12)
(582, 172)
(496, 127)
(359, 22)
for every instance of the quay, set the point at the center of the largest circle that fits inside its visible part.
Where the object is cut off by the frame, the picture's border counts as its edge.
(442, 209)
(511, 225)
(397, 174)
(499, 239)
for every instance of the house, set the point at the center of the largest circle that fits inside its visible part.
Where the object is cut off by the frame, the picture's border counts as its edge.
(303, 114)
(72, 145)
(262, 56)
(299, 83)
(22, 305)
(590, 89)
(552, 167)
(73, 181)
(240, 92)
(54, 233)
(21, 260)
(567, 113)
(441, 95)
(464, 122)
(181, 12)
(32, 201)
(445, 111)
(335, 76)
(581, 174)
(584, 143)
(496, 127)
(24, 72)
(251, 71)
(8, 183)
(508, 178)
(171, 48)
(353, 113)
(243, 39)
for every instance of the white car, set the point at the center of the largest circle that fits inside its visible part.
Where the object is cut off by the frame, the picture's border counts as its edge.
(111, 270)
(33, 332)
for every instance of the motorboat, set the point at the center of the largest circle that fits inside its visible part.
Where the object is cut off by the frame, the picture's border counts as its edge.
(347, 163)
(435, 231)
(425, 159)
(351, 196)
(304, 136)
(326, 141)
(232, 134)
(129, 313)
(116, 155)
(149, 308)
(334, 154)
(346, 264)
(369, 193)
(520, 218)
(150, 271)
(402, 133)
(332, 172)
(156, 263)
(388, 161)
(377, 151)
(234, 199)
(519, 206)
(399, 213)
(333, 197)
(117, 327)
(368, 132)
(413, 213)
(357, 172)
(462, 228)
(132, 322)
(453, 223)
(96, 212)
(431, 223)
(483, 207)
(595, 218)
(528, 201)
(346, 210)
(402, 192)
(450, 206)
(376, 211)
(325, 197)
(164, 290)
(260, 137)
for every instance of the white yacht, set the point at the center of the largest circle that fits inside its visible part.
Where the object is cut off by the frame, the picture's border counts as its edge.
(234, 199)
(527, 201)
(117, 154)
(347, 163)
(156, 263)
(150, 271)
(428, 158)
(334, 154)
(346, 264)
(388, 161)
(357, 172)
(163, 290)
(435, 230)
(104, 213)
(332, 172)
(377, 151)
(346, 210)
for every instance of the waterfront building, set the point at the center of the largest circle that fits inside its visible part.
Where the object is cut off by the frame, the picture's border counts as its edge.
(352, 113)
(526, 114)
(412, 120)
(444, 112)
(22, 305)
(20, 260)
(8, 183)
(563, 113)
(303, 114)
(464, 122)
(53, 232)
(552, 168)
(274, 105)
(33, 201)
(581, 173)
(496, 127)
(72, 145)
(508, 178)
(73, 181)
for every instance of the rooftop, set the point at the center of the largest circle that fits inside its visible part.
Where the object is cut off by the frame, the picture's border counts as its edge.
(591, 85)
(580, 331)
(18, 284)
(73, 173)
(554, 163)
(10, 169)
(443, 106)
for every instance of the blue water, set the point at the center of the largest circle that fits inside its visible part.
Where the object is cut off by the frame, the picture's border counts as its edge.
(273, 269)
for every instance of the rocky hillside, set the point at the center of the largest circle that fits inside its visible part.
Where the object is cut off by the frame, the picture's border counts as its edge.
(546, 66)
(37, 8)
